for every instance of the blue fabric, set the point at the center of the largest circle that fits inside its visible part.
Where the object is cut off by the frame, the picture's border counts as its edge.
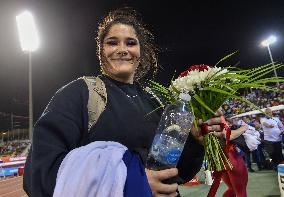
(136, 183)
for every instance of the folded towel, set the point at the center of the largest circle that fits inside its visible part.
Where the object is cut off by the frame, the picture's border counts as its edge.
(96, 169)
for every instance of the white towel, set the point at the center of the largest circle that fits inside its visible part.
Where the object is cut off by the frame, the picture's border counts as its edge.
(252, 138)
(96, 169)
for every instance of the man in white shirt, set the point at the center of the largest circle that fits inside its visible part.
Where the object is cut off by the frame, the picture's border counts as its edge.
(273, 130)
(252, 139)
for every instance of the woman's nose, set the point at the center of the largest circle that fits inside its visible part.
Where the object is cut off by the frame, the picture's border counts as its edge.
(122, 49)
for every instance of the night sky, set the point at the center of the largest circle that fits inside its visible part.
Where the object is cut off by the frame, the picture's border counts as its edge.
(187, 32)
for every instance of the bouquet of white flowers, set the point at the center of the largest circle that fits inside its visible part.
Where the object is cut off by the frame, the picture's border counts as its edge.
(209, 87)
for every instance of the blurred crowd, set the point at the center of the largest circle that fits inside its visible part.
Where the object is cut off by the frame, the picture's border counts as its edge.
(260, 98)
(13, 148)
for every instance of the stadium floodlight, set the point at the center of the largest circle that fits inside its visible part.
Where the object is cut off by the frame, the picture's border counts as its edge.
(29, 40)
(266, 43)
(28, 33)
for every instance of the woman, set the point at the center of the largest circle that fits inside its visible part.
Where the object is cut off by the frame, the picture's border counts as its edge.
(126, 55)
(237, 178)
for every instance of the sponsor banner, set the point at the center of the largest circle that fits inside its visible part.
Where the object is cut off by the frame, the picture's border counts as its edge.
(18, 158)
(10, 164)
(8, 159)
(8, 171)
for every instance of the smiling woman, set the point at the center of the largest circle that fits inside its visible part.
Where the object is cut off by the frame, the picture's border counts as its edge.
(121, 53)
(127, 54)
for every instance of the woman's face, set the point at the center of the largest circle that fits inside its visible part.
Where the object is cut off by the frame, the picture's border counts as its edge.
(121, 52)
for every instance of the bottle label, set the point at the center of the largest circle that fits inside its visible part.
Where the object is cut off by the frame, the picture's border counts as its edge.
(165, 152)
(172, 156)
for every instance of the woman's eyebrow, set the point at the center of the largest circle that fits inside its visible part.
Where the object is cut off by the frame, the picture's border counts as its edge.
(111, 38)
(131, 38)
(127, 38)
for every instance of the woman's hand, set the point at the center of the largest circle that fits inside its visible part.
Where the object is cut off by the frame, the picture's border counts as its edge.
(213, 126)
(158, 188)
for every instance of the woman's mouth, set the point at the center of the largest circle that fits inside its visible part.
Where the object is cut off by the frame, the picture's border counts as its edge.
(122, 59)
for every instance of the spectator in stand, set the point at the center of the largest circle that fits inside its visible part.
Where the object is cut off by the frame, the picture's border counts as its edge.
(252, 139)
(273, 130)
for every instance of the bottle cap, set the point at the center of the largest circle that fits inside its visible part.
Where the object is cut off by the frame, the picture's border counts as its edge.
(184, 96)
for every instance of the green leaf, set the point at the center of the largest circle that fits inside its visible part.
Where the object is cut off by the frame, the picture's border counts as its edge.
(263, 72)
(199, 100)
(226, 57)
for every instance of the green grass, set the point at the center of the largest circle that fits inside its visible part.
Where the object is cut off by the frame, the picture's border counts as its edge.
(260, 184)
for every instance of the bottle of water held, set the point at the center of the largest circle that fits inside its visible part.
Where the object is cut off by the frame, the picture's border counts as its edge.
(171, 135)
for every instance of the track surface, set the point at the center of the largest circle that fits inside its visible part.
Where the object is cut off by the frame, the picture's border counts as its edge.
(12, 187)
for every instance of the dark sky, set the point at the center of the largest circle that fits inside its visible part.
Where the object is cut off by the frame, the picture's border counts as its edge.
(187, 32)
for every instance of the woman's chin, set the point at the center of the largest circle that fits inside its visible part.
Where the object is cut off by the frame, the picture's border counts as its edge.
(124, 74)
(125, 70)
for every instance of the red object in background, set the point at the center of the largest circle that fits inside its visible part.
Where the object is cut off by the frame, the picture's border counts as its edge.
(5, 159)
(193, 182)
(236, 179)
(21, 171)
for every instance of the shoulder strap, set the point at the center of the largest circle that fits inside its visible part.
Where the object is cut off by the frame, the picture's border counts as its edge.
(97, 99)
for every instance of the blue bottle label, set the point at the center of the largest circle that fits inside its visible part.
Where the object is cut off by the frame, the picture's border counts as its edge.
(173, 156)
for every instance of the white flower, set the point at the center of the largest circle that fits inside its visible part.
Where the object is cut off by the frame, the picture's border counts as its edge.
(194, 79)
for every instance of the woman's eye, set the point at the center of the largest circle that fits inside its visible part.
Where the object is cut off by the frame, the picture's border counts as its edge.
(131, 42)
(111, 42)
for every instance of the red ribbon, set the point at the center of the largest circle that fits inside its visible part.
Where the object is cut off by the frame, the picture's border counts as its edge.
(204, 129)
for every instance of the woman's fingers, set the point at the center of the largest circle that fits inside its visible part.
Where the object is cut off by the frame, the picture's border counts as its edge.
(214, 121)
(218, 113)
(212, 125)
(155, 181)
(166, 174)
(168, 189)
(219, 134)
(215, 128)
(167, 195)
(196, 133)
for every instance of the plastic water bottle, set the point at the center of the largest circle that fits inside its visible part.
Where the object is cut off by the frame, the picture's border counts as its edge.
(171, 135)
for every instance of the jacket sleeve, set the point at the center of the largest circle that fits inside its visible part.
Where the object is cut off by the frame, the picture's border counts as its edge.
(191, 159)
(58, 131)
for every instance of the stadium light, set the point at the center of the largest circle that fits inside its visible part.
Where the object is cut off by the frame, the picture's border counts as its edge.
(28, 33)
(266, 43)
(29, 40)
